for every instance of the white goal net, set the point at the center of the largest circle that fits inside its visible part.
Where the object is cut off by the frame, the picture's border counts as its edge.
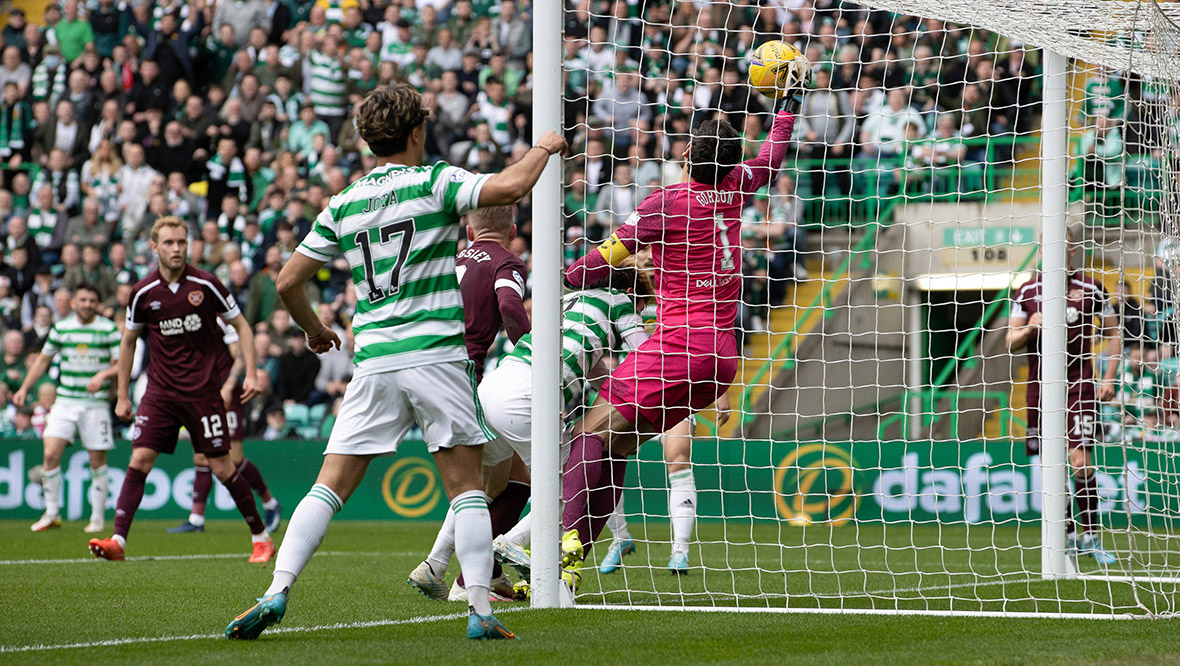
(896, 387)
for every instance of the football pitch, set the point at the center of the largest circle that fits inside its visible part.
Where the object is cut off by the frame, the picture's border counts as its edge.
(171, 601)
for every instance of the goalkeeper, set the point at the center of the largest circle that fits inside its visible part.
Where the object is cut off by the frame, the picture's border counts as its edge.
(693, 228)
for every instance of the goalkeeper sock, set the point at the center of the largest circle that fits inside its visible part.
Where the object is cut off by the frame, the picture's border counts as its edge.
(130, 495)
(605, 498)
(617, 524)
(202, 484)
(473, 546)
(444, 546)
(100, 485)
(51, 491)
(583, 472)
(305, 533)
(1086, 490)
(682, 508)
(505, 512)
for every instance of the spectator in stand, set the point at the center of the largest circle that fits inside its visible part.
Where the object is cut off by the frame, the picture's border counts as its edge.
(63, 133)
(242, 16)
(298, 368)
(47, 224)
(824, 130)
(12, 363)
(135, 177)
(12, 69)
(884, 131)
(263, 294)
(616, 201)
(88, 228)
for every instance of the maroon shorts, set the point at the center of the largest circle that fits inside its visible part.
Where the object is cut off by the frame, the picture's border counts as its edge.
(158, 422)
(674, 373)
(1081, 421)
(235, 417)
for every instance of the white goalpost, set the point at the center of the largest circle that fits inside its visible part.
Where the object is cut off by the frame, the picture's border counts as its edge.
(954, 164)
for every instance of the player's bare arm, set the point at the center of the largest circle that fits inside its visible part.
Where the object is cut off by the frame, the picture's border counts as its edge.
(235, 373)
(40, 365)
(1021, 330)
(514, 182)
(246, 346)
(100, 377)
(123, 387)
(1114, 356)
(295, 274)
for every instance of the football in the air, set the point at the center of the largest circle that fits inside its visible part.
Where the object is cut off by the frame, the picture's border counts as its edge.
(776, 67)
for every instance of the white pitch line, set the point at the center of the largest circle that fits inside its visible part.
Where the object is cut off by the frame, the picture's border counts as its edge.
(115, 642)
(866, 611)
(949, 586)
(209, 556)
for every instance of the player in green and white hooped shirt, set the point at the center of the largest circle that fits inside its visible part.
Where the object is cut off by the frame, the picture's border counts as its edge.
(398, 229)
(88, 347)
(596, 322)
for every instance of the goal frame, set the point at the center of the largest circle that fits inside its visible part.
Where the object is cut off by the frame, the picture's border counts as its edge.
(547, 588)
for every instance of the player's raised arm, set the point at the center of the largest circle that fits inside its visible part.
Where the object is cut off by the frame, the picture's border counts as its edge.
(789, 83)
(642, 227)
(1021, 325)
(1112, 331)
(514, 182)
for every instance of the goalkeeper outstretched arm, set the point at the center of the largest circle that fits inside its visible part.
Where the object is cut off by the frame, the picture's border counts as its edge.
(646, 224)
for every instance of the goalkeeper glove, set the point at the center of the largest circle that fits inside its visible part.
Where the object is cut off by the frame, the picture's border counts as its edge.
(792, 102)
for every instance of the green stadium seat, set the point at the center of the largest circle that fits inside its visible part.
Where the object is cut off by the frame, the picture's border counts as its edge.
(298, 416)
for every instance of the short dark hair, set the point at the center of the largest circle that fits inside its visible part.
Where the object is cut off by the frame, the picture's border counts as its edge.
(388, 115)
(87, 286)
(716, 148)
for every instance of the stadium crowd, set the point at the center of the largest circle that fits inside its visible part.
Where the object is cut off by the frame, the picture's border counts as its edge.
(236, 116)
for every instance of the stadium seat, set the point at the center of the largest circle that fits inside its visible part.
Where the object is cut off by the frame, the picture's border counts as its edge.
(298, 416)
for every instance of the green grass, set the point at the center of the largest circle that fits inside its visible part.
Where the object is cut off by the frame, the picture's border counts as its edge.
(360, 578)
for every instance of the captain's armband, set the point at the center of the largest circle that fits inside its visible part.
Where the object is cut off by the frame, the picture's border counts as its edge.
(613, 250)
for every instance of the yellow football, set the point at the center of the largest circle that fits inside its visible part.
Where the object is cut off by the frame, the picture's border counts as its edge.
(776, 67)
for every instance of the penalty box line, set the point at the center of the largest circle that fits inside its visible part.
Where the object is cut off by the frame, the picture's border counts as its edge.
(116, 642)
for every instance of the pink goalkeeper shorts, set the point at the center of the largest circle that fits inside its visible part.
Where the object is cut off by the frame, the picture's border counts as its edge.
(678, 371)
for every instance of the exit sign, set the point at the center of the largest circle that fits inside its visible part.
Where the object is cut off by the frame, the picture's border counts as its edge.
(988, 236)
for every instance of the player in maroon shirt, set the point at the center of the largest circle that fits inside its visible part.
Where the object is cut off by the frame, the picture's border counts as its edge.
(492, 281)
(178, 306)
(230, 365)
(1086, 301)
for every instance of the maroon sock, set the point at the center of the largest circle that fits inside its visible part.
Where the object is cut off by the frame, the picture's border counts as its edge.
(202, 484)
(604, 499)
(1086, 491)
(129, 498)
(505, 510)
(583, 472)
(253, 477)
(239, 489)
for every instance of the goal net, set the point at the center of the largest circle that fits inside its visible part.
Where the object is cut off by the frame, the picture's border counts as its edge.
(897, 313)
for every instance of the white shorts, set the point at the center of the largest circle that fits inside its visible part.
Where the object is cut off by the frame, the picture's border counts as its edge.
(507, 397)
(90, 423)
(378, 410)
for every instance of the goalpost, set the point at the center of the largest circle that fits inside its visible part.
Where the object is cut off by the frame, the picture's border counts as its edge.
(875, 457)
